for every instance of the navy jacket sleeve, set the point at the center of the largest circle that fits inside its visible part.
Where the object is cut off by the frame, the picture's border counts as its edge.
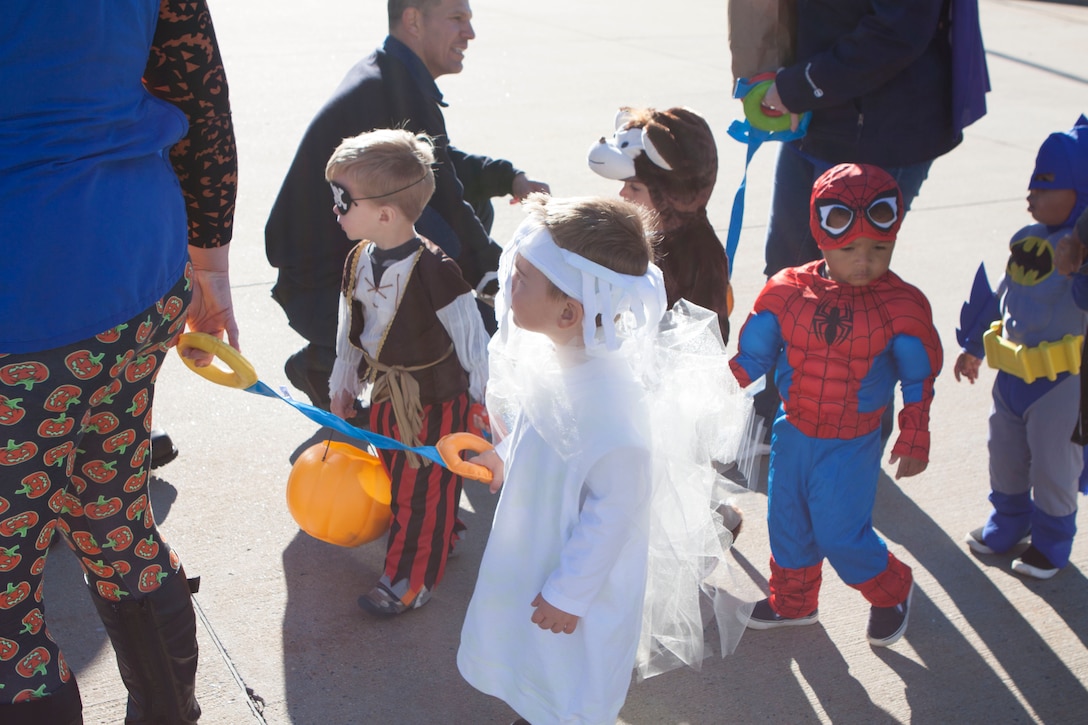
(877, 76)
(887, 39)
(482, 176)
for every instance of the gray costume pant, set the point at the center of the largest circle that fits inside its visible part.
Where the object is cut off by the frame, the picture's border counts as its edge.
(1031, 450)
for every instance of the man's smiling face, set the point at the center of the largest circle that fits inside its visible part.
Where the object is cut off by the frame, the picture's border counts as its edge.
(445, 31)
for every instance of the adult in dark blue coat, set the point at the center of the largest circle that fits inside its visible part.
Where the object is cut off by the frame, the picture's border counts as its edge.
(392, 87)
(877, 77)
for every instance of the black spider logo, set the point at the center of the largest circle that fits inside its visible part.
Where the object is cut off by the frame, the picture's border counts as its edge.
(833, 323)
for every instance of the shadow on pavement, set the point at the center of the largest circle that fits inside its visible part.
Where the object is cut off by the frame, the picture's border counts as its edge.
(803, 675)
(773, 675)
(955, 677)
(391, 671)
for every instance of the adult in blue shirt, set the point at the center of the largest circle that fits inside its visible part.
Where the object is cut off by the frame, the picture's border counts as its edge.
(100, 275)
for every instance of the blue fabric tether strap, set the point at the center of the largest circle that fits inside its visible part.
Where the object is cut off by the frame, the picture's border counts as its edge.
(753, 137)
(325, 418)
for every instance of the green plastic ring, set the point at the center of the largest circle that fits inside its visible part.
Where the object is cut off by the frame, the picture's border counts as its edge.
(753, 110)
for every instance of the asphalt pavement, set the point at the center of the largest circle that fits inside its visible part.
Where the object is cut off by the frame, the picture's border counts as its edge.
(282, 640)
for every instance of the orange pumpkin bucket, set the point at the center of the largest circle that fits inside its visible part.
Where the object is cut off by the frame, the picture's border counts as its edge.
(339, 494)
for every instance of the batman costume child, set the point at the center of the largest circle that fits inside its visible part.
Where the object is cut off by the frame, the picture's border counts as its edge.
(1034, 466)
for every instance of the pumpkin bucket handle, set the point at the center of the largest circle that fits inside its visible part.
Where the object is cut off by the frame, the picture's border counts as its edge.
(450, 447)
(240, 373)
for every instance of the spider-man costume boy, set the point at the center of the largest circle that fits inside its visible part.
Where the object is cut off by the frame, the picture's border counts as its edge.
(837, 333)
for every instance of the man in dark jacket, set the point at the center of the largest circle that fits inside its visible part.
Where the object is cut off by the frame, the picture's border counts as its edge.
(877, 78)
(392, 87)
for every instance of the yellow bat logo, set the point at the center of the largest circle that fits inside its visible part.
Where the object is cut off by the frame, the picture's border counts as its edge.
(1031, 260)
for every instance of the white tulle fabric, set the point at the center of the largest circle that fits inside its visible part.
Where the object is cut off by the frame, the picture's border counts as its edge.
(700, 421)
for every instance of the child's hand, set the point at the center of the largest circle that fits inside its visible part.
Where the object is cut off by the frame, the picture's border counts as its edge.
(967, 365)
(548, 617)
(343, 405)
(907, 466)
(491, 461)
(1069, 255)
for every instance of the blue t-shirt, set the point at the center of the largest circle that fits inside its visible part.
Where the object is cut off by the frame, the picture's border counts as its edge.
(92, 221)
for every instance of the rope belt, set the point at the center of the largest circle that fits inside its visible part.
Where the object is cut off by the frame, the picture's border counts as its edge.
(396, 384)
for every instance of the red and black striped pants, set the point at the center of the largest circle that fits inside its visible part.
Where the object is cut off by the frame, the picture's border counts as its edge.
(424, 502)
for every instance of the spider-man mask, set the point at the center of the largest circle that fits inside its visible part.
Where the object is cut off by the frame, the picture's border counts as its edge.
(855, 200)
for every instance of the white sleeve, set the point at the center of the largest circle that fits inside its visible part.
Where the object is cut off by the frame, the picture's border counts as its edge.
(345, 371)
(502, 448)
(617, 505)
(462, 321)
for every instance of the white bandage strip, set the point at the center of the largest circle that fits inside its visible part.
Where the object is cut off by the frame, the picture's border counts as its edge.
(603, 292)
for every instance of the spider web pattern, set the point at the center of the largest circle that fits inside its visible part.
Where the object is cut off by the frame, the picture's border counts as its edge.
(889, 587)
(795, 592)
(832, 333)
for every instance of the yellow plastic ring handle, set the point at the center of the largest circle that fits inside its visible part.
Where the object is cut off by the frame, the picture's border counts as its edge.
(753, 110)
(240, 374)
(450, 447)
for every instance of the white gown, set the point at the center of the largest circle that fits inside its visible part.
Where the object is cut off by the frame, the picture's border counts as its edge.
(571, 524)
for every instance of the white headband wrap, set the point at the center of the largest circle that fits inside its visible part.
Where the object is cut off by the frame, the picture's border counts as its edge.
(603, 292)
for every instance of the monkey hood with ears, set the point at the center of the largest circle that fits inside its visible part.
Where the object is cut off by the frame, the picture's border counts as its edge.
(673, 153)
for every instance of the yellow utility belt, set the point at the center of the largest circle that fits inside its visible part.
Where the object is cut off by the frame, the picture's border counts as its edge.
(1045, 360)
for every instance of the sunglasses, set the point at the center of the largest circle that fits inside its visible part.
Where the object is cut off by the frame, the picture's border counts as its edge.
(341, 197)
(836, 218)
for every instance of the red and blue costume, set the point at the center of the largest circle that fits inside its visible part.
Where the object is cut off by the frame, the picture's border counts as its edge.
(836, 351)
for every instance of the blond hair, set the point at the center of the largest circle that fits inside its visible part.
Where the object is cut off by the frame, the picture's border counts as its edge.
(390, 164)
(607, 230)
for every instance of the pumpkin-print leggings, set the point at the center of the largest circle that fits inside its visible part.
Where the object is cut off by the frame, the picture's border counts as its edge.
(75, 427)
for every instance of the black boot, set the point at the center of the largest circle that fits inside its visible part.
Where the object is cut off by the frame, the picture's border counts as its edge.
(62, 707)
(163, 449)
(155, 642)
(309, 370)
